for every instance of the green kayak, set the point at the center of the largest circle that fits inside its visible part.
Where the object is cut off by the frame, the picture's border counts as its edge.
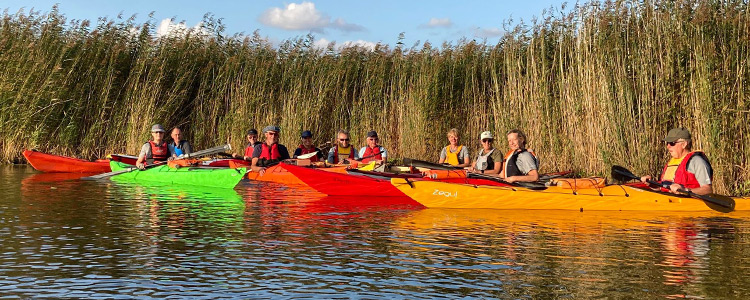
(198, 176)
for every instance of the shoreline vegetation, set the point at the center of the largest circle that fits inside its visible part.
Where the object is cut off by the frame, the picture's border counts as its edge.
(597, 86)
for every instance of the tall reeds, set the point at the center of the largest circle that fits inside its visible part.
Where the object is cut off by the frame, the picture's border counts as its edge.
(596, 86)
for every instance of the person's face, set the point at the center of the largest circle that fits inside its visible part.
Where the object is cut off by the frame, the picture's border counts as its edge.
(487, 144)
(272, 137)
(252, 138)
(453, 139)
(307, 141)
(513, 141)
(372, 141)
(176, 135)
(343, 140)
(676, 148)
(157, 136)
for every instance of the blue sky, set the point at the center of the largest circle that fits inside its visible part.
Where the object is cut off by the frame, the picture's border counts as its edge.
(361, 22)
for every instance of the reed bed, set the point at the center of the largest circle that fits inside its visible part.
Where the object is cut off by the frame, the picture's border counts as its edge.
(598, 85)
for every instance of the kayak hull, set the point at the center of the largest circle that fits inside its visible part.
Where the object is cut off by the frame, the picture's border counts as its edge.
(341, 184)
(195, 176)
(50, 163)
(609, 198)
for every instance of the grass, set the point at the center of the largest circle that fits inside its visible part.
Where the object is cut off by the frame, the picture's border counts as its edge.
(597, 86)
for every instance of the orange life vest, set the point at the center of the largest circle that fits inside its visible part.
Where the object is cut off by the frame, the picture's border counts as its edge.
(270, 153)
(372, 154)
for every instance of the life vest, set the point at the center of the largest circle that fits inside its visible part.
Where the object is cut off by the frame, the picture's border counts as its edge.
(159, 152)
(250, 148)
(372, 154)
(178, 148)
(270, 153)
(452, 157)
(510, 163)
(676, 171)
(345, 153)
(484, 161)
(307, 151)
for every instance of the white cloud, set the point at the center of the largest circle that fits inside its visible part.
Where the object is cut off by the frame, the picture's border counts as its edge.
(438, 22)
(359, 43)
(304, 16)
(321, 43)
(167, 27)
(488, 32)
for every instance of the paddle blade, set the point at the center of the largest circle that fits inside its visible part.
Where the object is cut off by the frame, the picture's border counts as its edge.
(621, 174)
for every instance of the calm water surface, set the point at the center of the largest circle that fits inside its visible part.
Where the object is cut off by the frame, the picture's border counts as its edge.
(63, 238)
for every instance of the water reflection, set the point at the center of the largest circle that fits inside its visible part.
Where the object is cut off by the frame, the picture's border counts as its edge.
(67, 238)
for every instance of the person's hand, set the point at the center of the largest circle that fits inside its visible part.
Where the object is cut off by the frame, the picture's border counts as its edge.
(172, 158)
(674, 187)
(511, 179)
(234, 155)
(247, 158)
(140, 166)
(646, 178)
(262, 171)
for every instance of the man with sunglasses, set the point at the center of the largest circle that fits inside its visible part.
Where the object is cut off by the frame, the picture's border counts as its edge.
(687, 169)
(372, 151)
(343, 151)
(252, 141)
(156, 149)
(488, 160)
(269, 152)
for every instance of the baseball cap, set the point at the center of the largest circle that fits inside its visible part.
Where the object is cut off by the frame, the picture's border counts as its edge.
(252, 132)
(486, 135)
(676, 134)
(372, 134)
(157, 128)
(306, 134)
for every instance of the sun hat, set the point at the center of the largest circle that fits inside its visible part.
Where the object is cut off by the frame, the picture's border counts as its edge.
(157, 128)
(676, 134)
(486, 135)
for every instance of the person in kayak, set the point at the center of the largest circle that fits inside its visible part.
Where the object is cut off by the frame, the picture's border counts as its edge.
(519, 163)
(488, 160)
(178, 146)
(252, 141)
(372, 151)
(454, 154)
(269, 152)
(686, 169)
(343, 152)
(307, 147)
(155, 149)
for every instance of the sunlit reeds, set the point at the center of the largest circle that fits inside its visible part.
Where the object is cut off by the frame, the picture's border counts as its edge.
(596, 86)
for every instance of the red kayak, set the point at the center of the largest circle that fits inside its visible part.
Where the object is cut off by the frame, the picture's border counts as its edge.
(337, 184)
(62, 164)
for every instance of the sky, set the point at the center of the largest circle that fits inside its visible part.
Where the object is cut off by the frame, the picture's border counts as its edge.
(363, 23)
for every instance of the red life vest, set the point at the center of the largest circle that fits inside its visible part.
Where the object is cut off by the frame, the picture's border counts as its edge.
(685, 178)
(306, 151)
(160, 152)
(336, 153)
(372, 154)
(270, 153)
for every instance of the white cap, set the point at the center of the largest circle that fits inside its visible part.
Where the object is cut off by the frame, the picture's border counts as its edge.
(486, 135)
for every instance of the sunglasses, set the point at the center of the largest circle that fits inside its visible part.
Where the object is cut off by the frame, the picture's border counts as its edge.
(486, 141)
(344, 140)
(671, 144)
(272, 133)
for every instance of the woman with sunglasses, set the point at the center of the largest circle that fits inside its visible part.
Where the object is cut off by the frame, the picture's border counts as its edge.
(454, 154)
(519, 163)
(156, 149)
(343, 152)
(687, 169)
(488, 161)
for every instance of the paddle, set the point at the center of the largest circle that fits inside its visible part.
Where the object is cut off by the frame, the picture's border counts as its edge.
(621, 174)
(429, 165)
(306, 156)
(209, 151)
(529, 185)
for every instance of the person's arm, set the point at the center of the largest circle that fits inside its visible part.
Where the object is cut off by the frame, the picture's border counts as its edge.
(495, 170)
(465, 154)
(532, 176)
(442, 156)
(187, 149)
(140, 163)
(284, 152)
(254, 161)
(297, 152)
(527, 165)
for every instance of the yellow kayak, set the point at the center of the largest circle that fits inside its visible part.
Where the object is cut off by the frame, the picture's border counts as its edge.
(608, 198)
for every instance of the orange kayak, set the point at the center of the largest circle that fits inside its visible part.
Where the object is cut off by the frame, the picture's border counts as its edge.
(50, 163)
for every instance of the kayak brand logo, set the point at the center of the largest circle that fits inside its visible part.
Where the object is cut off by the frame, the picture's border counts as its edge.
(445, 194)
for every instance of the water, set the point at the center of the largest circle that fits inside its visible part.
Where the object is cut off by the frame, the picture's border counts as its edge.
(82, 239)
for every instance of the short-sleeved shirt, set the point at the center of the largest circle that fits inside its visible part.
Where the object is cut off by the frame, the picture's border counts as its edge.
(699, 166)
(495, 157)
(526, 162)
(298, 152)
(283, 152)
(362, 150)
(184, 146)
(464, 153)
